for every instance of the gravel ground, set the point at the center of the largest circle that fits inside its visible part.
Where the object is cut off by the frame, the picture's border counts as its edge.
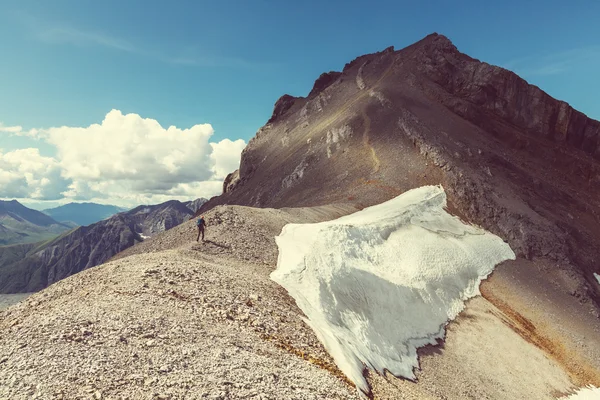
(174, 319)
(194, 322)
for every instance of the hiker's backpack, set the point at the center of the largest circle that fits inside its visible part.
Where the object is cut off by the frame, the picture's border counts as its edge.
(200, 222)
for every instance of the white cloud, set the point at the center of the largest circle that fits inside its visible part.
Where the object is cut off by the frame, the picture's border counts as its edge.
(129, 147)
(81, 38)
(24, 173)
(126, 159)
(225, 156)
(10, 129)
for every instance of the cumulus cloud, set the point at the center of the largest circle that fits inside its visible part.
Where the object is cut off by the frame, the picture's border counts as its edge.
(225, 156)
(126, 157)
(24, 173)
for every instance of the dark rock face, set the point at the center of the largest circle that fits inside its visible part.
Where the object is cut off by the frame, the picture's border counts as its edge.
(88, 246)
(511, 158)
(326, 79)
(231, 181)
(284, 103)
(477, 90)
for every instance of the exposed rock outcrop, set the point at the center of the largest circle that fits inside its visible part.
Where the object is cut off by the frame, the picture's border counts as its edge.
(326, 79)
(231, 181)
(282, 105)
(476, 90)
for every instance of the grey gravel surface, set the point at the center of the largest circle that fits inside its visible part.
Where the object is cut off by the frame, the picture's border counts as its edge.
(177, 319)
(197, 321)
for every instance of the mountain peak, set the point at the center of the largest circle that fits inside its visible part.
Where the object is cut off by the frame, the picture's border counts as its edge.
(435, 43)
(323, 81)
(87, 246)
(460, 113)
(437, 39)
(282, 105)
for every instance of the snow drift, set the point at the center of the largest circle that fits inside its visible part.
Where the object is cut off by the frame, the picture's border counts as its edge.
(587, 393)
(377, 284)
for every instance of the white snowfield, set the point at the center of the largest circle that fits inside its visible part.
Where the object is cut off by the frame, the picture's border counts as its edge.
(382, 282)
(587, 393)
(597, 277)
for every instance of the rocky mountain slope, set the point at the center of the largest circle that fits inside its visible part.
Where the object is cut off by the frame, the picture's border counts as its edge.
(512, 159)
(83, 213)
(19, 224)
(31, 268)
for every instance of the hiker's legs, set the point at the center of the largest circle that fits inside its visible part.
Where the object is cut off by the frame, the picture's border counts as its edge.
(202, 230)
(198, 238)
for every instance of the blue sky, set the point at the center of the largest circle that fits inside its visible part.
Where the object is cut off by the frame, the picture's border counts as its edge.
(225, 62)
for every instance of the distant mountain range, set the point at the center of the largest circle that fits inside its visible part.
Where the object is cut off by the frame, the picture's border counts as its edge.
(195, 205)
(32, 267)
(83, 213)
(19, 224)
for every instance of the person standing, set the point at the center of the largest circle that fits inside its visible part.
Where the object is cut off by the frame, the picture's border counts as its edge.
(201, 224)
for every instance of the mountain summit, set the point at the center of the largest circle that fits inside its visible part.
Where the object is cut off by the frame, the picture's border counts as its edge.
(511, 158)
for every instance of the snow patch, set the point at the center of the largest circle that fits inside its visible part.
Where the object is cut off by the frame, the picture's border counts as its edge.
(587, 393)
(380, 283)
(597, 277)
